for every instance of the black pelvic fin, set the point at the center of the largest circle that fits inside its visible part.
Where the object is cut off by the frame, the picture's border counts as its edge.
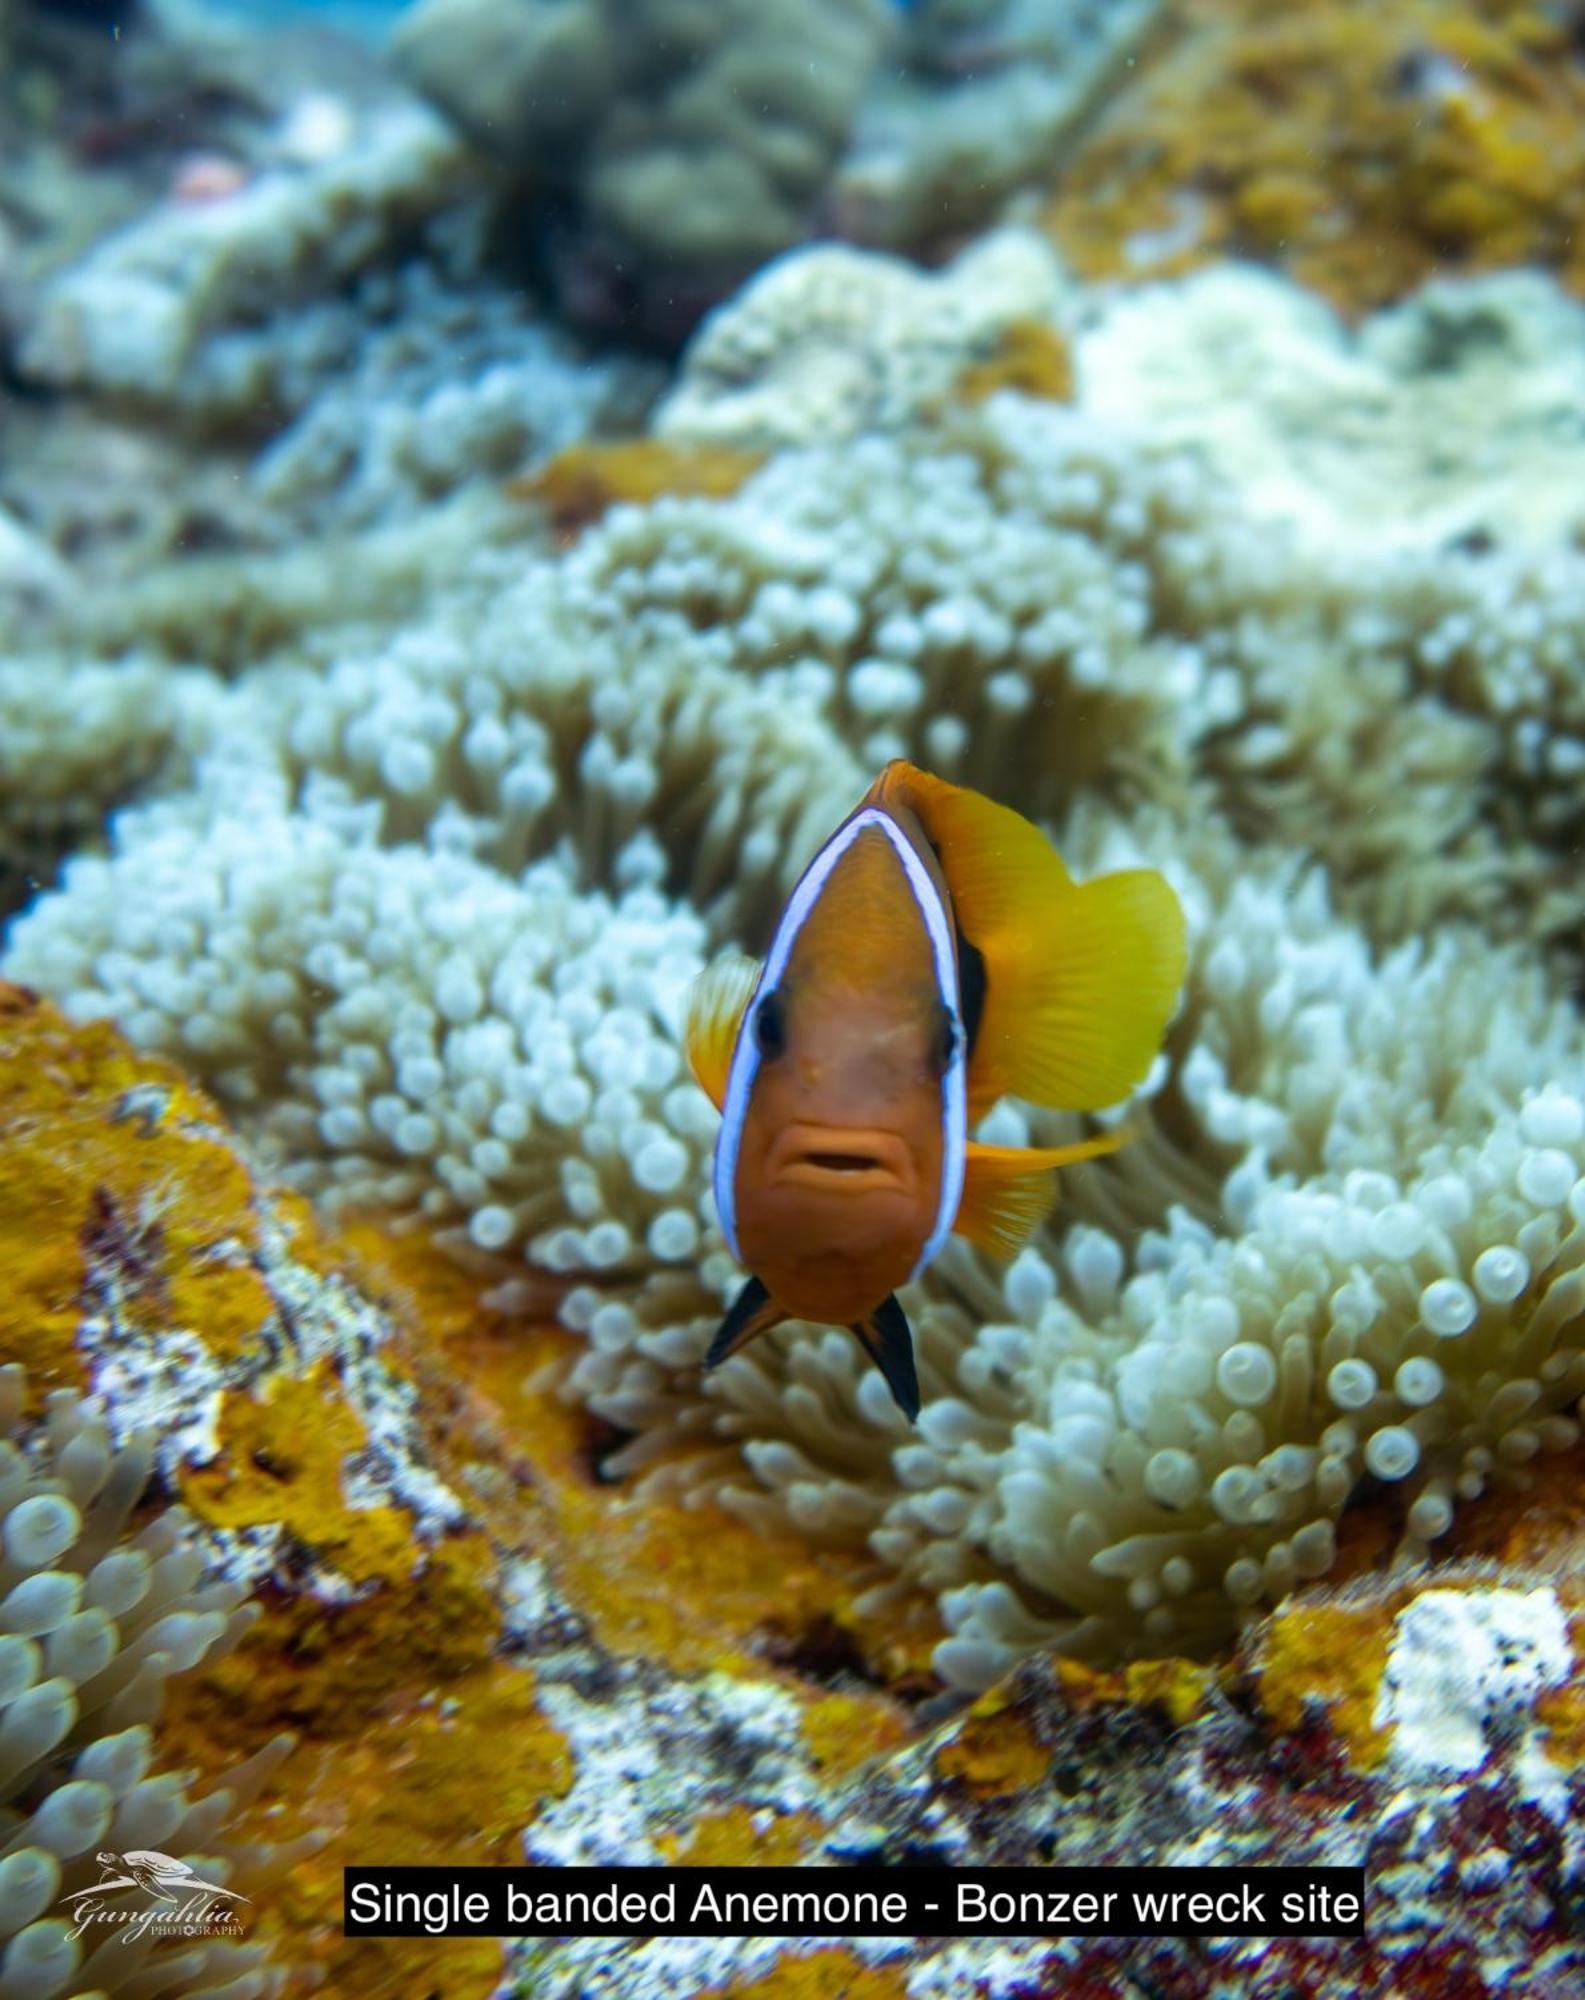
(752, 1311)
(885, 1338)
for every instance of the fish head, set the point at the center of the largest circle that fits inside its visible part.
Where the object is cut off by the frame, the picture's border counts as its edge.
(840, 1157)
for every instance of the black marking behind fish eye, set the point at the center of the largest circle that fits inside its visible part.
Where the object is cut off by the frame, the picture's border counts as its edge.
(770, 1026)
(944, 1042)
(971, 985)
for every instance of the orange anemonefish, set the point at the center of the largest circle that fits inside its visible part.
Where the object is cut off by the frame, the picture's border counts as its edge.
(934, 956)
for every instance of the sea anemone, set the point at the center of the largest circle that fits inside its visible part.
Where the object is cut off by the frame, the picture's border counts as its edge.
(95, 1616)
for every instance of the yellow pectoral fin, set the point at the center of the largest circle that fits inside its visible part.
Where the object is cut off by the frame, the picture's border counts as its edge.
(1009, 1190)
(1080, 978)
(715, 1011)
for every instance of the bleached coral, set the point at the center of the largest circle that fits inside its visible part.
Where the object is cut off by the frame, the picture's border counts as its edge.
(829, 342)
(1453, 414)
(129, 318)
(439, 383)
(1422, 607)
(1464, 1670)
(93, 1620)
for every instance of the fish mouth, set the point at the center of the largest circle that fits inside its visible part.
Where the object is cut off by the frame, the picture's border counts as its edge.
(841, 1159)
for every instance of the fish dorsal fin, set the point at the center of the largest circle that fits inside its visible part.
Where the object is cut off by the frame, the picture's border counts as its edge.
(752, 1312)
(885, 1337)
(715, 1012)
(1009, 1190)
(1080, 978)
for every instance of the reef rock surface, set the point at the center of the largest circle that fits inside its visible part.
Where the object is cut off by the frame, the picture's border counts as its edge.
(394, 724)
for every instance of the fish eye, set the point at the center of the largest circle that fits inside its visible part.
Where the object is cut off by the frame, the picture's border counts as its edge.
(770, 1026)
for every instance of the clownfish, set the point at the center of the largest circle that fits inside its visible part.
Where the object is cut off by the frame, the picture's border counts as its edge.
(934, 956)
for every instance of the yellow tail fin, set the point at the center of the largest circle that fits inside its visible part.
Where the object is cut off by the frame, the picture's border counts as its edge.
(1081, 978)
(715, 1009)
(1009, 1190)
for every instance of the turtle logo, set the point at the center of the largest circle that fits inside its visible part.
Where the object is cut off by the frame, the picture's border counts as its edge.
(162, 1876)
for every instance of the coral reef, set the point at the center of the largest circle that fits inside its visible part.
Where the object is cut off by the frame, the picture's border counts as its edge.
(1445, 639)
(1427, 1730)
(427, 919)
(557, 1704)
(828, 343)
(1443, 421)
(460, 1621)
(295, 330)
(129, 319)
(395, 715)
(445, 381)
(30, 570)
(686, 140)
(988, 98)
(348, 416)
(95, 121)
(1363, 149)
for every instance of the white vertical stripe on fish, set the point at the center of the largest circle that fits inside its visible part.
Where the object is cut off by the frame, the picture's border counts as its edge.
(746, 1055)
